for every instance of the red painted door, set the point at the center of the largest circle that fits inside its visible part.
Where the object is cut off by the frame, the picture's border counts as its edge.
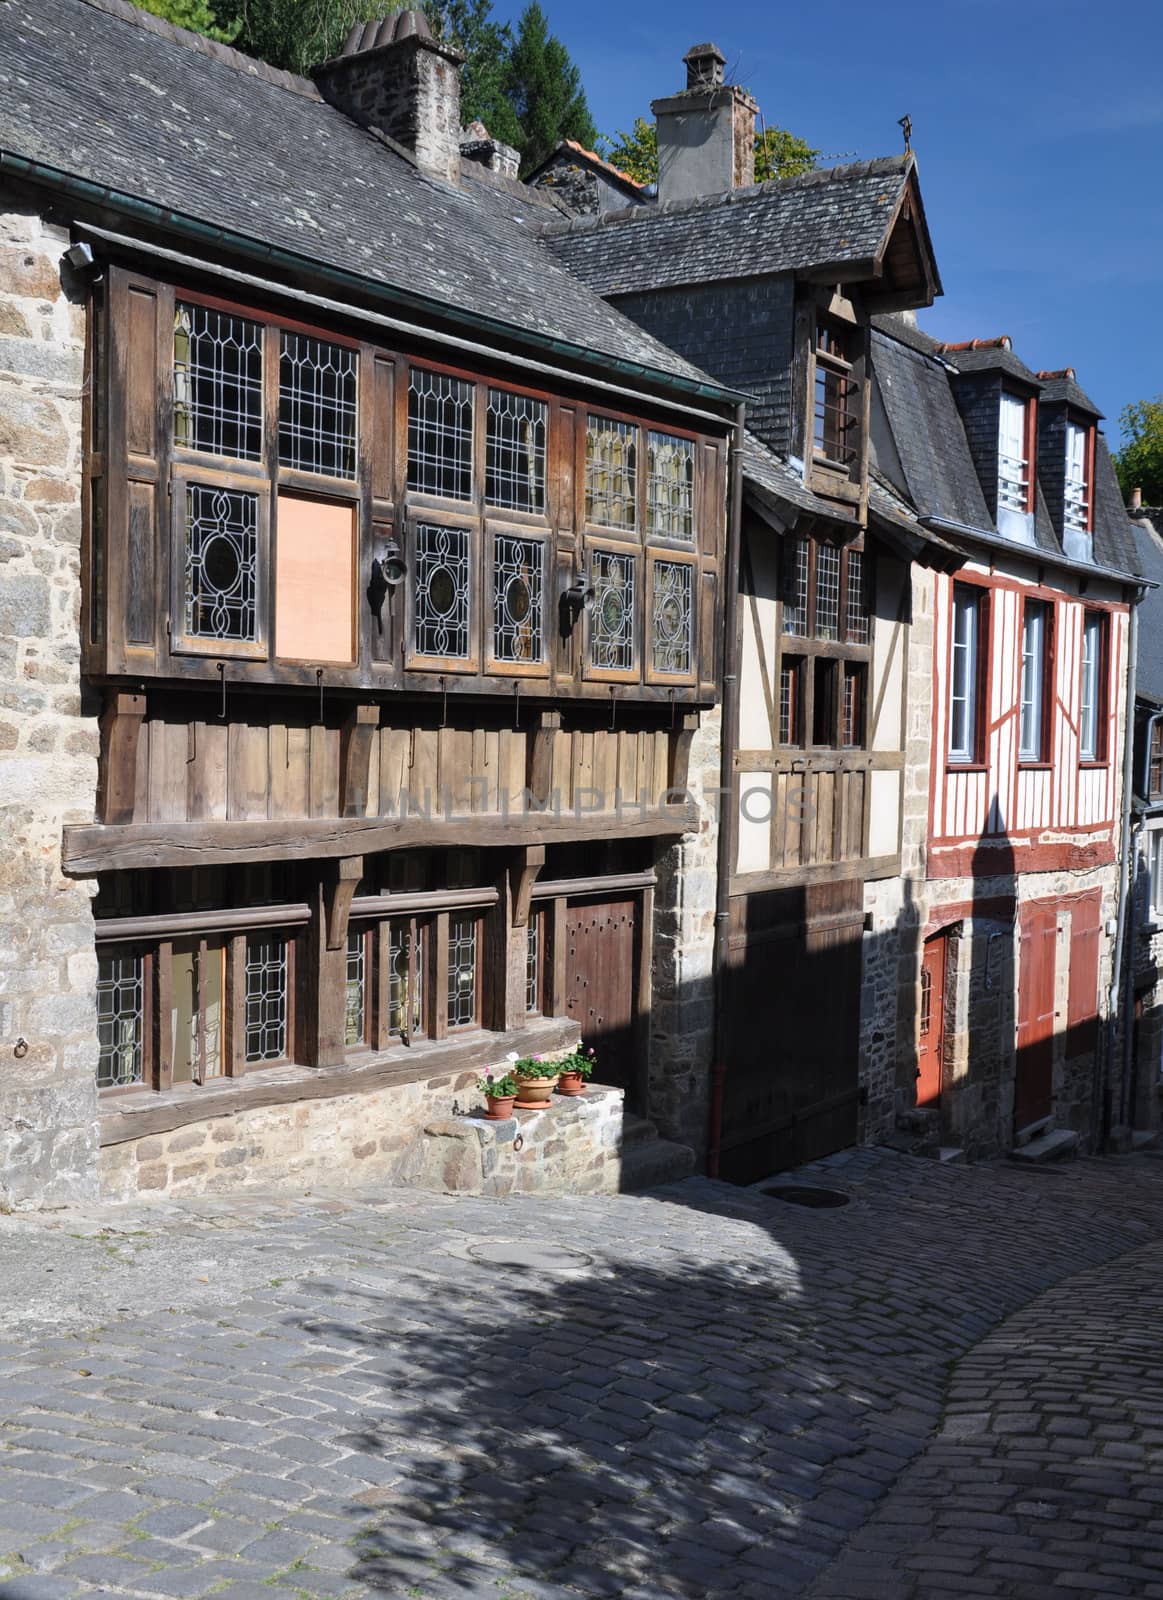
(600, 984)
(931, 1037)
(1033, 1091)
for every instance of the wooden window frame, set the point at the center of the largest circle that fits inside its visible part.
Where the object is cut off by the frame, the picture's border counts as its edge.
(626, 550)
(606, 530)
(1041, 758)
(497, 527)
(827, 308)
(416, 660)
(183, 644)
(806, 649)
(1097, 758)
(1087, 428)
(956, 760)
(675, 557)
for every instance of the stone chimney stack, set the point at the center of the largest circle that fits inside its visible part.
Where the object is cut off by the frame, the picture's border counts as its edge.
(706, 134)
(392, 75)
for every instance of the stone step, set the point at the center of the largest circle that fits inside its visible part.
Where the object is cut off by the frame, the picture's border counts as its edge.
(1145, 1139)
(646, 1163)
(1059, 1144)
(952, 1154)
(1033, 1130)
(636, 1129)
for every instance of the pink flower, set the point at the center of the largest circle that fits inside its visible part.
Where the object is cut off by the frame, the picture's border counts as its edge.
(537, 1058)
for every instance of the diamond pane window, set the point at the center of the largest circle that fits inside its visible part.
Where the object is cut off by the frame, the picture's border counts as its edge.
(355, 994)
(442, 591)
(518, 589)
(671, 621)
(670, 486)
(611, 472)
(533, 965)
(221, 562)
(217, 383)
(317, 383)
(439, 434)
(795, 605)
(827, 592)
(612, 617)
(266, 999)
(857, 608)
(462, 971)
(515, 455)
(120, 1020)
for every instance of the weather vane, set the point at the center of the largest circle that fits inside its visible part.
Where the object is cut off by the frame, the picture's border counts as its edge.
(905, 124)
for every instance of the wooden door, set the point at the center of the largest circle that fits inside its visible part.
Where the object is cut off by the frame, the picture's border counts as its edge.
(931, 1033)
(1033, 1089)
(600, 985)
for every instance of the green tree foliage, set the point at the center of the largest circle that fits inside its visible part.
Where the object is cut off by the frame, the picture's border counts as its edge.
(196, 15)
(545, 89)
(778, 154)
(1140, 462)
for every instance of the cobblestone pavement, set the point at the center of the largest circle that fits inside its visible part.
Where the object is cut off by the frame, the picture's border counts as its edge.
(700, 1392)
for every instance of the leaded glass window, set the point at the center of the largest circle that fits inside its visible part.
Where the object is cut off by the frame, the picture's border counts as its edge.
(441, 624)
(533, 965)
(612, 616)
(440, 434)
(671, 624)
(611, 472)
(515, 456)
(266, 999)
(462, 971)
(857, 607)
(670, 485)
(518, 599)
(827, 592)
(355, 993)
(221, 564)
(217, 383)
(120, 1020)
(317, 403)
(795, 605)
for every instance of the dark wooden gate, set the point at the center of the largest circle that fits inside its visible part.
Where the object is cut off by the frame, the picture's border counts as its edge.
(601, 988)
(793, 1012)
(1034, 1076)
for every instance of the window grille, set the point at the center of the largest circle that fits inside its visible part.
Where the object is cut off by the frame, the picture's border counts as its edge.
(221, 562)
(857, 606)
(1013, 467)
(612, 617)
(266, 999)
(533, 965)
(515, 456)
(355, 998)
(217, 383)
(827, 591)
(1076, 511)
(795, 605)
(518, 596)
(440, 434)
(462, 971)
(671, 624)
(120, 1020)
(404, 973)
(670, 485)
(611, 472)
(317, 406)
(442, 591)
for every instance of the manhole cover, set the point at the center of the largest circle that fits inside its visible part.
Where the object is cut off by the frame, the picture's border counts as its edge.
(801, 1194)
(532, 1257)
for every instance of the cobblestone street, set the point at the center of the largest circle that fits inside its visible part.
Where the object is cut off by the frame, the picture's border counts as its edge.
(948, 1386)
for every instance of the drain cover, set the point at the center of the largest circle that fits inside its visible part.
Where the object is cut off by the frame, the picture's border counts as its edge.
(532, 1257)
(801, 1194)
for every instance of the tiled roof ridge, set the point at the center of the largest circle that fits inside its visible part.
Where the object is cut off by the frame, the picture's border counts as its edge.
(124, 11)
(886, 165)
(592, 155)
(1002, 342)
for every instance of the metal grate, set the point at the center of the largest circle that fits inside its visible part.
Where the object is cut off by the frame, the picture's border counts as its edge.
(795, 605)
(120, 1020)
(439, 434)
(515, 453)
(355, 996)
(462, 971)
(857, 620)
(827, 591)
(611, 472)
(221, 563)
(442, 591)
(518, 589)
(217, 383)
(266, 999)
(612, 617)
(317, 406)
(670, 485)
(533, 965)
(671, 617)
(404, 970)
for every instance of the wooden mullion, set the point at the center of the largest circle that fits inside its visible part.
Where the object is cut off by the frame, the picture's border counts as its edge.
(438, 976)
(554, 1003)
(157, 1000)
(234, 1002)
(200, 961)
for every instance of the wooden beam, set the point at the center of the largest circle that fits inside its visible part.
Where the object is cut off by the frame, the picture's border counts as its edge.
(539, 777)
(355, 751)
(321, 990)
(522, 876)
(120, 725)
(681, 739)
(341, 884)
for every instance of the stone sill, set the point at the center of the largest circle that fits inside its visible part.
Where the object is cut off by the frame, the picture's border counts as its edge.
(139, 1115)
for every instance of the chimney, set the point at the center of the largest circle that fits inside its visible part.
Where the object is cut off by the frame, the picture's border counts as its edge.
(706, 134)
(1136, 499)
(478, 145)
(393, 76)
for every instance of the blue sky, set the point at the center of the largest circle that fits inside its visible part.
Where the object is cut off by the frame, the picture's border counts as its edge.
(1038, 128)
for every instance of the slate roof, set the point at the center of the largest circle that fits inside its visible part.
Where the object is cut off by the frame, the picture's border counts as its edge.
(100, 91)
(993, 359)
(1149, 550)
(570, 151)
(1067, 389)
(834, 216)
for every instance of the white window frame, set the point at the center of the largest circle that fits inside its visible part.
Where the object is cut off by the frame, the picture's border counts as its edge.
(1090, 693)
(1076, 507)
(1013, 466)
(1156, 868)
(1032, 694)
(964, 654)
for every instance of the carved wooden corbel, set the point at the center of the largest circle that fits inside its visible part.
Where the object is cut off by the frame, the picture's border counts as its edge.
(355, 759)
(522, 876)
(339, 891)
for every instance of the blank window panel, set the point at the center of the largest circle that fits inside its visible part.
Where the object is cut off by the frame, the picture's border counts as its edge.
(266, 999)
(612, 617)
(671, 617)
(611, 473)
(355, 990)
(515, 455)
(441, 620)
(217, 383)
(670, 485)
(317, 406)
(120, 1021)
(221, 563)
(827, 591)
(518, 599)
(315, 556)
(440, 434)
(795, 594)
(462, 971)
(857, 619)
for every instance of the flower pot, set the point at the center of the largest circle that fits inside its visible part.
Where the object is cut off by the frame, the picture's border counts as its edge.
(533, 1093)
(500, 1107)
(571, 1083)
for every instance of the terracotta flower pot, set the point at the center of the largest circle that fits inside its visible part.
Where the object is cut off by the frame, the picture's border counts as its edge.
(571, 1083)
(533, 1093)
(500, 1107)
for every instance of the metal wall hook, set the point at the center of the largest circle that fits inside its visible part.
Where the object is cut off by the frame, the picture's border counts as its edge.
(319, 681)
(517, 705)
(221, 665)
(443, 703)
(613, 706)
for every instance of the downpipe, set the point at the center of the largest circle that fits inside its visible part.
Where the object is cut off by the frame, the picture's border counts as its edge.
(1114, 1010)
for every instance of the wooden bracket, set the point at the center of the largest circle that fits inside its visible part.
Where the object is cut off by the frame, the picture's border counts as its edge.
(120, 724)
(339, 891)
(523, 872)
(355, 759)
(681, 739)
(539, 777)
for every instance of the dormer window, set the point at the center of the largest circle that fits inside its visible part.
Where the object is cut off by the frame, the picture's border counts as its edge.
(1014, 468)
(1076, 508)
(835, 445)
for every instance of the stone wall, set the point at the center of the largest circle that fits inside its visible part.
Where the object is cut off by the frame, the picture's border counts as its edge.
(48, 735)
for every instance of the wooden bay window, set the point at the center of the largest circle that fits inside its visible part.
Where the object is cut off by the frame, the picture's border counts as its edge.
(825, 644)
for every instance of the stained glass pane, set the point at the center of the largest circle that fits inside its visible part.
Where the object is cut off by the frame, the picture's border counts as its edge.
(611, 472)
(670, 485)
(518, 585)
(671, 622)
(442, 591)
(120, 1020)
(217, 383)
(317, 403)
(221, 564)
(612, 616)
(440, 434)
(515, 459)
(462, 971)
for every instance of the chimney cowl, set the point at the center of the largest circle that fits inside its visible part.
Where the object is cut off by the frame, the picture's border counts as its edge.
(704, 66)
